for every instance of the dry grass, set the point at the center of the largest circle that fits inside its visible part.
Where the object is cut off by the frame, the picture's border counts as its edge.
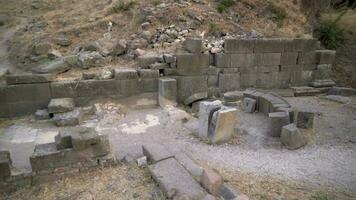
(347, 21)
(117, 183)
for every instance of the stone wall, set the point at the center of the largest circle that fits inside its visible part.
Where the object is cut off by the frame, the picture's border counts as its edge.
(266, 63)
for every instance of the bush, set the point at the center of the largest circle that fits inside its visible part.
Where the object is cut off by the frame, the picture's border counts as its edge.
(122, 5)
(224, 4)
(279, 12)
(330, 34)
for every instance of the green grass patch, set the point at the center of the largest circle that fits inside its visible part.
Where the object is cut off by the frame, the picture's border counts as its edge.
(224, 5)
(279, 12)
(331, 35)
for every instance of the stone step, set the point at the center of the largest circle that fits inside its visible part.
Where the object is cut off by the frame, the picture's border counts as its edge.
(175, 181)
(156, 152)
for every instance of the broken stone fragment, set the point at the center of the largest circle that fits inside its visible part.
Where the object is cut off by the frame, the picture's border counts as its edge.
(141, 161)
(249, 105)
(195, 97)
(61, 105)
(292, 138)
(221, 127)
(62, 41)
(211, 181)
(71, 118)
(42, 48)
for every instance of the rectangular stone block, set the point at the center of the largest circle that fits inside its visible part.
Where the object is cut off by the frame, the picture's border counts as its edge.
(229, 82)
(239, 45)
(206, 108)
(322, 72)
(306, 58)
(249, 105)
(213, 70)
(223, 60)
(292, 138)
(167, 92)
(71, 118)
(64, 89)
(289, 58)
(61, 105)
(128, 87)
(248, 80)
(243, 60)
(272, 45)
(156, 152)
(148, 85)
(276, 121)
(211, 181)
(147, 60)
(194, 169)
(300, 45)
(98, 88)
(14, 79)
(213, 81)
(304, 119)
(27, 92)
(186, 72)
(224, 125)
(301, 78)
(193, 45)
(265, 59)
(123, 74)
(175, 181)
(190, 85)
(5, 164)
(325, 56)
(148, 73)
(191, 62)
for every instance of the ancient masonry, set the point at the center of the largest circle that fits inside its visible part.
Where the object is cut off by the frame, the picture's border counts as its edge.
(267, 63)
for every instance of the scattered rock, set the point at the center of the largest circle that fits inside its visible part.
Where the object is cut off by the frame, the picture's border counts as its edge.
(42, 48)
(54, 54)
(145, 25)
(90, 59)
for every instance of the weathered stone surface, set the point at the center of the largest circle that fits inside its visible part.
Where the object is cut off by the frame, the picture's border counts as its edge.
(167, 92)
(304, 119)
(233, 96)
(300, 44)
(90, 59)
(337, 98)
(227, 193)
(123, 74)
(175, 181)
(141, 161)
(64, 89)
(268, 59)
(325, 56)
(305, 58)
(222, 130)
(243, 60)
(239, 46)
(148, 73)
(190, 85)
(55, 67)
(342, 91)
(205, 113)
(249, 105)
(196, 97)
(23, 93)
(189, 164)
(5, 164)
(193, 45)
(229, 82)
(305, 91)
(42, 48)
(71, 118)
(213, 81)
(222, 60)
(192, 62)
(61, 105)
(271, 45)
(28, 78)
(156, 152)
(169, 58)
(289, 58)
(42, 114)
(277, 121)
(158, 66)
(322, 83)
(292, 138)
(209, 197)
(147, 60)
(72, 61)
(323, 71)
(211, 181)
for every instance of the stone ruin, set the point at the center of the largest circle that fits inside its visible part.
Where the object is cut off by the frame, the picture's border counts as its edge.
(188, 77)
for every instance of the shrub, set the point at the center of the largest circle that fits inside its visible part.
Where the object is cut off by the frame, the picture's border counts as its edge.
(122, 5)
(224, 4)
(279, 12)
(330, 34)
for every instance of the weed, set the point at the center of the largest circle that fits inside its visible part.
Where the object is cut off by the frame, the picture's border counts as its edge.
(330, 34)
(279, 12)
(224, 4)
(122, 5)
(319, 197)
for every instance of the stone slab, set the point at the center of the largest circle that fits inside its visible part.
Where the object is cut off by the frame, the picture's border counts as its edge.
(342, 91)
(337, 98)
(270, 45)
(229, 82)
(156, 152)
(239, 46)
(167, 92)
(14, 79)
(325, 56)
(277, 121)
(194, 169)
(61, 105)
(71, 118)
(64, 89)
(322, 83)
(304, 119)
(175, 181)
(192, 62)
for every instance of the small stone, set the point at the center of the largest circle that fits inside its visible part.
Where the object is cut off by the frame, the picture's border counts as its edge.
(141, 161)
(211, 181)
(145, 25)
(105, 74)
(215, 50)
(146, 35)
(54, 54)
(63, 41)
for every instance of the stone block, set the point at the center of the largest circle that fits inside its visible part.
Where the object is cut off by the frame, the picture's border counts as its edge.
(193, 45)
(213, 71)
(148, 85)
(98, 88)
(182, 72)
(343, 91)
(167, 92)
(192, 62)
(266, 59)
(194, 169)
(230, 70)
(158, 66)
(61, 105)
(156, 152)
(5, 164)
(169, 58)
(239, 45)
(222, 60)
(243, 60)
(211, 181)
(249, 105)
(300, 45)
(42, 114)
(226, 192)
(292, 138)
(190, 85)
(305, 91)
(233, 96)
(322, 72)
(64, 89)
(253, 94)
(206, 110)
(272, 45)
(248, 80)
(175, 181)
(213, 81)
(123, 74)
(147, 60)
(289, 58)
(37, 92)
(229, 82)
(148, 73)
(141, 161)
(222, 130)
(301, 78)
(337, 98)
(71, 118)
(322, 83)
(304, 119)
(14, 79)
(306, 58)
(213, 92)
(325, 56)
(25, 108)
(277, 121)
(130, 87)
(55, 67)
